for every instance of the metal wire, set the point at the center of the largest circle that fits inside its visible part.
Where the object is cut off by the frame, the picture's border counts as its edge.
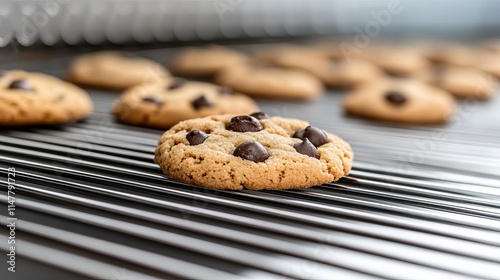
(416, 206)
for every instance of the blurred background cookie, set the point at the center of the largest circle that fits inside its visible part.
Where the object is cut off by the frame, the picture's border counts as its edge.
(113, 70)
(334, 71)
(205, 60)
(462, 82)
(271, 82)
(400, 100)
(396, 60)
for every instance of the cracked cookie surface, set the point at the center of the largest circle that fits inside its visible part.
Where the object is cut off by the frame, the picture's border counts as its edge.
(242, 152)
(34, 98)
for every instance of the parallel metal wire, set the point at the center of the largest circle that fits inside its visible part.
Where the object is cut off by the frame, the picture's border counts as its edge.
(420, 203)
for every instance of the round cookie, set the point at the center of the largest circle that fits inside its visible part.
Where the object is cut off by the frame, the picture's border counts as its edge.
(462, 82)
(114, 70)
(164, 103)
(205, 61)
(271, 82)
(398, 61)
(332, 71)
(35, 98)
(229, 152)
(405, 101)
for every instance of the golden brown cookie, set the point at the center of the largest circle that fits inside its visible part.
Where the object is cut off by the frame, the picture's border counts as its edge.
(114, 70)
(230, 152)
(205, 61)
(35, 98)
(462, 82)
(164, 103)
(271, 82)
(334, 71)
(397, 60)
(405, 101)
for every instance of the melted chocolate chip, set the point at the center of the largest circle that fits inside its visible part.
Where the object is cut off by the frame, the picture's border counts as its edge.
(314, 134)
(226, 91)
(176, 83)
(21, 84)
(201, 102)
(3, 73)
(395, 97)
(244, 124)
(153, 99)
(253, 151)
(306, 148)
(260, 115)
(196, 137)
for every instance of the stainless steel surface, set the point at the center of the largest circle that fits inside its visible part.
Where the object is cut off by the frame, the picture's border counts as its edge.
(422, 202)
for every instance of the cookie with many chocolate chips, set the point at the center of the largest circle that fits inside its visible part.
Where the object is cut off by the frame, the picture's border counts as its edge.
(235, 152)
(114, 70)
(164, 103)
(402, 100)
(35, 98)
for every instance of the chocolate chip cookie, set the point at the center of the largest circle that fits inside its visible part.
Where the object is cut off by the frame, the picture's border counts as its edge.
(462, 82)
(271, 82)
(235, 152)
(405, 101)
(114, 70)
(164, 103)
(205, 61)
(35, 98)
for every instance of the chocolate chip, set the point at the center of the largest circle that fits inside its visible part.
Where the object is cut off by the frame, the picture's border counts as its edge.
(299, 134)
(196, 137)
(176, 83)
(3, 73)
(201, 102)
(21, 84)
(260, 115)
(314, 134)
(226, 91)
(395, 97)
(244, 124)
(306, 148)
(253, 151)
(152, 99)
